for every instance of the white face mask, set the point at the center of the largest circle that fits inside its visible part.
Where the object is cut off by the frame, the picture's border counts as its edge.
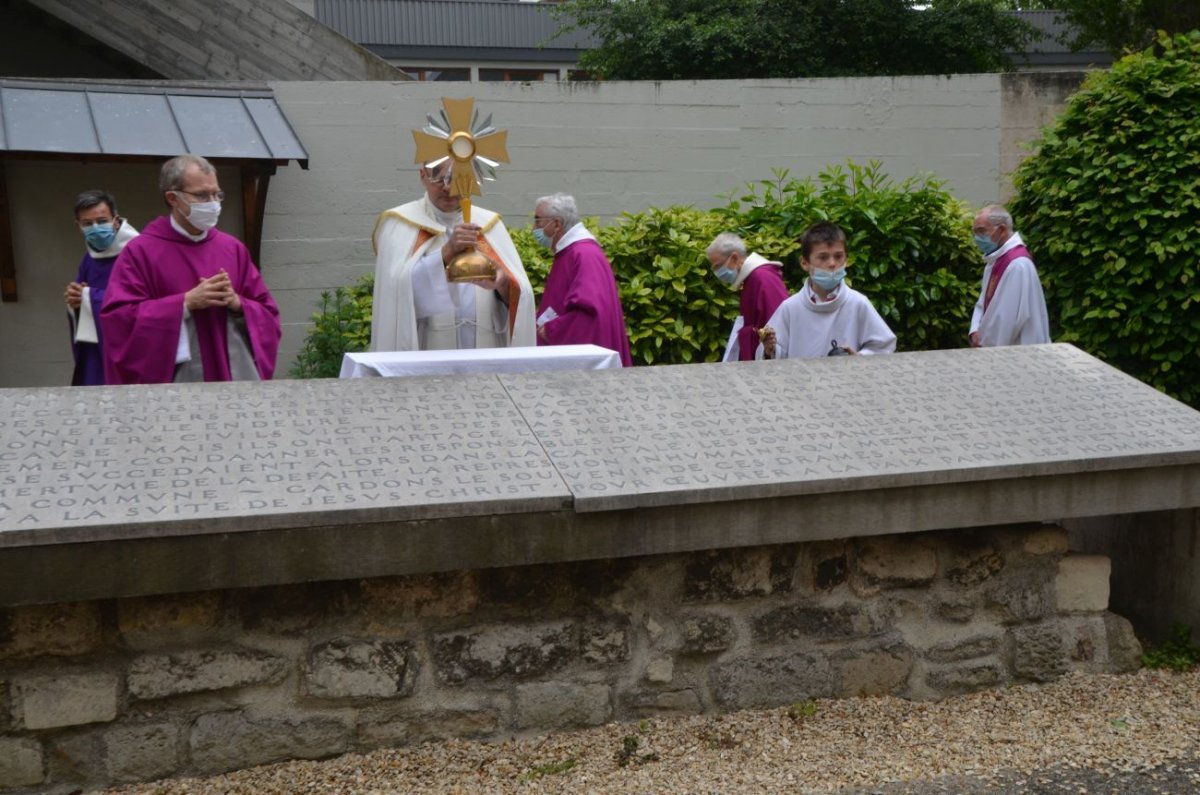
(204, 215)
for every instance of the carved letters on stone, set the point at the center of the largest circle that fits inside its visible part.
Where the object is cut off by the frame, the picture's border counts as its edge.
(222, 457)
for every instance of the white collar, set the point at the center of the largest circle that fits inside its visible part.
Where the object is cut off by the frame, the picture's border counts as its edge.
(446, 220)
(574, 235)
(1012, 242)
(749, 265)
(818, 304)
(178, 228)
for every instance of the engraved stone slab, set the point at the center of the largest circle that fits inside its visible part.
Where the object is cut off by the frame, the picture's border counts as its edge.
(88, 464)
(699, 433)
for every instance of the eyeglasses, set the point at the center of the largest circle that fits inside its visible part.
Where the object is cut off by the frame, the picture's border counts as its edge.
(444, 179)
(219, 196)
(537, 218)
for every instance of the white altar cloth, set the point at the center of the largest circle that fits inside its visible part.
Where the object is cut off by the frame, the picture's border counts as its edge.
(479, 360)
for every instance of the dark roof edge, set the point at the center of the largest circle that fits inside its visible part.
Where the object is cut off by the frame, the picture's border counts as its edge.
(475, 55)
(175, 87)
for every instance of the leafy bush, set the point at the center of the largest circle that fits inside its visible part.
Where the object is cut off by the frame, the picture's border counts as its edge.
(1177, 653)
(910, 245)
(341, 325)
(675, 310)
(1110, 206)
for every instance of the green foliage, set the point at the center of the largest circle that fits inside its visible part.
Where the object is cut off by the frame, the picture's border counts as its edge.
(1177, 653)
(341, 325)
(1110, 206)
(1122, 25)
(801, 710)
(535, 257)
(729, 39)
(550, 769)
(627, 754)
(909, 245)
(676, 312)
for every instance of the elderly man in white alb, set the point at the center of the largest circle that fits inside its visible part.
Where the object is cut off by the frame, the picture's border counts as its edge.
(416, 307)
(1011, 309)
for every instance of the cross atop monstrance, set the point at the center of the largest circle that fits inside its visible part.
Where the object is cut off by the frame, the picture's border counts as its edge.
(474, 148)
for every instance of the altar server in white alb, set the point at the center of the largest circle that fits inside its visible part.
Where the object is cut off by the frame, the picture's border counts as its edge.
(415, 307)
(826, 317)
(1011, 309)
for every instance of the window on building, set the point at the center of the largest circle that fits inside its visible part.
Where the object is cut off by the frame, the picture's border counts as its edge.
(521, 75)
(431, 74)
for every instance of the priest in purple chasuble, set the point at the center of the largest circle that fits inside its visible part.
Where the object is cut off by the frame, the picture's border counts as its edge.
(760, 282)
(580, 304)
(415, 307)
(105, 235)
(185, 301)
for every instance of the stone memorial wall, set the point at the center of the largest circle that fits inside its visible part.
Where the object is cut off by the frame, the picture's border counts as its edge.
(204, 577)
(101, 464)
(706, 433)
(119, 690)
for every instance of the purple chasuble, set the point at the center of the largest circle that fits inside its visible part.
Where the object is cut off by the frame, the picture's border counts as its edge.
(762, 293)
(583, 293)
(143, 311)
(89, 363)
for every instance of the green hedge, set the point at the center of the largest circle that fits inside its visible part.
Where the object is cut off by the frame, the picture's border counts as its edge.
(1110, 205)
(909, 244)
(341, 325)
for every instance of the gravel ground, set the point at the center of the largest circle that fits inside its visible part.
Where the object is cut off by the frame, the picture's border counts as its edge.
(1127, 734)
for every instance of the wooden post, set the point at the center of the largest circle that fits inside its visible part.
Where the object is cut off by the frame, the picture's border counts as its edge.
(8, 257)
(256, 178)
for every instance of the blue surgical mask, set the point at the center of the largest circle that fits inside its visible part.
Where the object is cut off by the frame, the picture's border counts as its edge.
(726, 274)
(99, 236)
(827, 280)
(540, 237)
(986, 244)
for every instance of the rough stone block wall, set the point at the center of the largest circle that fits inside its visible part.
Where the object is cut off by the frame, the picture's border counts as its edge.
(136, 689)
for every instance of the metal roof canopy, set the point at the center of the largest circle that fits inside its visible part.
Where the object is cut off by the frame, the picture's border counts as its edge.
(144, 122)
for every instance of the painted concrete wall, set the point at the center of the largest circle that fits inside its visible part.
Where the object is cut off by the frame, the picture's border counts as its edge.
(617, 146)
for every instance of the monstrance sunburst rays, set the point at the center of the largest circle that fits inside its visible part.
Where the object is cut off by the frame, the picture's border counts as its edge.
(475, 147)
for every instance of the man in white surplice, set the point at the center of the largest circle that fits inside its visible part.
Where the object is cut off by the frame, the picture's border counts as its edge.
(415, 307)
(1011, 309)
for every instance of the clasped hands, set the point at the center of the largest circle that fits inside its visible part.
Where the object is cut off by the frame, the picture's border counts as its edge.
(213, 291)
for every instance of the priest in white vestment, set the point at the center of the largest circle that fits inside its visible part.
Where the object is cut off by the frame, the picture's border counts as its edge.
(826, 315)
(416, 307)
(1011, 309)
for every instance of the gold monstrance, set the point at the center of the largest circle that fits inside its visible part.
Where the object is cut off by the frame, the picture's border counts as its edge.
(475, 148)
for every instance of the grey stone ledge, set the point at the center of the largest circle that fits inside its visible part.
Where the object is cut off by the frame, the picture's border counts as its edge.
(551, 467)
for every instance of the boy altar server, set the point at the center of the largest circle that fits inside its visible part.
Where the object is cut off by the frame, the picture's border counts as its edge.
(826, 315)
